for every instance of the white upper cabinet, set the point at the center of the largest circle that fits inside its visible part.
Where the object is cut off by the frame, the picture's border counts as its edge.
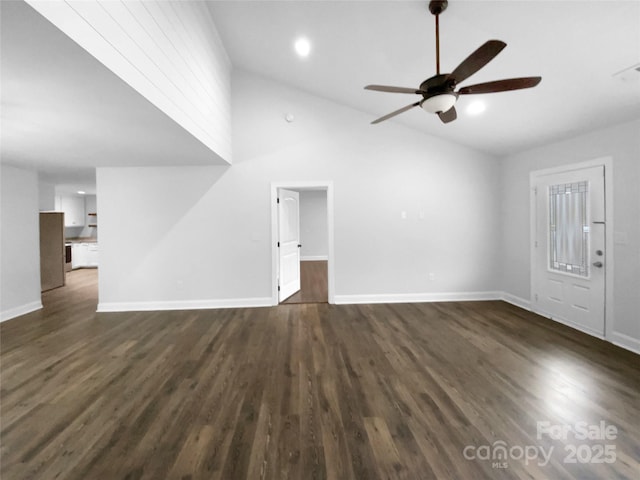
(73, 208)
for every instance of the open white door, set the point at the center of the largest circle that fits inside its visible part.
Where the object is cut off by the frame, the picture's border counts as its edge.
(288, 243)
(569, 248)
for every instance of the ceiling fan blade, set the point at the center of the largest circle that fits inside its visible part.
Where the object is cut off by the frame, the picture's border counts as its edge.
(386, 88)
(397, 112)
(501, 85)
(477, 60)
(448, 116)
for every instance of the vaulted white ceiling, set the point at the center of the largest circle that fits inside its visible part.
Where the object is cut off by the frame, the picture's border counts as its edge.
(85, 116)
(64, 112)
(576, 46)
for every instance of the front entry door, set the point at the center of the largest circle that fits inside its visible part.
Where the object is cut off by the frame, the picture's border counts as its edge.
(569, 248)
(288, 243)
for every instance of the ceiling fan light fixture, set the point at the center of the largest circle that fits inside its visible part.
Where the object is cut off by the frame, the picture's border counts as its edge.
(439, 103)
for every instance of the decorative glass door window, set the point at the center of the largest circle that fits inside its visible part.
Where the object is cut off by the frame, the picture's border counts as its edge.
(569, 228)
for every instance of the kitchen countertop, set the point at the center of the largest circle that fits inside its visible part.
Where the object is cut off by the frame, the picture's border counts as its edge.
(81, 240)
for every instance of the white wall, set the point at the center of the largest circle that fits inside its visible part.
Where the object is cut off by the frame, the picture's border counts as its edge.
(313, 225)
(170, 52)
(203, 233)
(622, 142)
(46, 196)
(19, 242)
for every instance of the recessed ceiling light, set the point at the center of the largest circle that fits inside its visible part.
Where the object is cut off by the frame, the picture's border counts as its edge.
(81, 192)
(303, 47)
(476, 108)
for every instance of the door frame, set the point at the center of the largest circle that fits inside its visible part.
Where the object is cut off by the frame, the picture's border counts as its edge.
(607, 164)
(326, 186)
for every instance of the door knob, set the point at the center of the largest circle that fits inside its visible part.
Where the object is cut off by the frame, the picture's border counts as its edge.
(597, 264)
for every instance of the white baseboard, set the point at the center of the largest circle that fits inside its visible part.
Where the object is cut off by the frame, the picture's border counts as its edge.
(313, 258)
(417, 297)
(184, 305)
(618, 339)
(626, 342)
(517, 301)
(21, 310)
(569, 323)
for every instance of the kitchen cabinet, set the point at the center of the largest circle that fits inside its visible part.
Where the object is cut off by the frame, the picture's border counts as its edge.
(84, 255)
(73, 208)
(79, 254)
(92, 255)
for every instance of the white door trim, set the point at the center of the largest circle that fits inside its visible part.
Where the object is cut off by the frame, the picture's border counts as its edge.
(607, 162)
(301, 185)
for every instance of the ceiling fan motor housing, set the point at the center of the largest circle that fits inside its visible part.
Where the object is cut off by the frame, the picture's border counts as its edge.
(438, 94)
(437, 84)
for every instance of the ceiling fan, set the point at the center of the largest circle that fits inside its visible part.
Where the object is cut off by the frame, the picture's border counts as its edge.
(438, 92)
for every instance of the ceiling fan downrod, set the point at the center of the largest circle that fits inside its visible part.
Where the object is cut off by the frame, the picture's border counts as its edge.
(437, 45)
(436, 7)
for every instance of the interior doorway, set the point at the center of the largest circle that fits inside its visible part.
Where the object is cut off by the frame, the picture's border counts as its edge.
(313, 283)
(302, 242)
(570, 264)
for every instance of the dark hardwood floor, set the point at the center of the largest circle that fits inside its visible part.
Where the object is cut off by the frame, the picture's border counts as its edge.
(312, 391)
(313, 283)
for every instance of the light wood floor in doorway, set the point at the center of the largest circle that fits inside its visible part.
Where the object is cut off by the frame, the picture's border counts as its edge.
(308, 391)
(313, 283)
